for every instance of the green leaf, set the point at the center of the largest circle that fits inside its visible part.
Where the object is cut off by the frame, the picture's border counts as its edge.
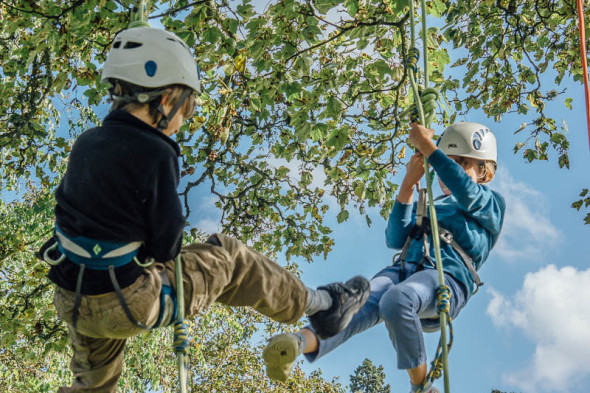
(323, 6)
(342, 216)
(352, 7)
(333, 107)
(338, 138)
(257, 49)
(318, 131)
(292, 89)
(211, 35)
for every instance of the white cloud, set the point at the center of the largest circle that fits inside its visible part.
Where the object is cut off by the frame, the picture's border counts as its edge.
(527, 232)
(553, 310)
(208, 226)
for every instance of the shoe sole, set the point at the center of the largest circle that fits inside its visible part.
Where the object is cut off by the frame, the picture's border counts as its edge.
(279, 355)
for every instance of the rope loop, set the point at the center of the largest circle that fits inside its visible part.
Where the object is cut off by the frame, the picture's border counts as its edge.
(181, 333)
(443, 294)
(412, 59)
(428, 99)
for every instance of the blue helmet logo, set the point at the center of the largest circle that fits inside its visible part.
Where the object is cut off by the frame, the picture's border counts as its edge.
(150, 68)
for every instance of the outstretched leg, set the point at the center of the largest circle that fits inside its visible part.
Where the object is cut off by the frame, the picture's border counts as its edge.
(224, 270)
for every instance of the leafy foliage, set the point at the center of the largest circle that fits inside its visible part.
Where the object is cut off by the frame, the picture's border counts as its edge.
(302, 99)
(368, 378)
(583, 202)
(301, 111)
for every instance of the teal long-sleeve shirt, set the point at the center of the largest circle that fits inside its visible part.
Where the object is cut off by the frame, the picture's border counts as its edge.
(473, 213)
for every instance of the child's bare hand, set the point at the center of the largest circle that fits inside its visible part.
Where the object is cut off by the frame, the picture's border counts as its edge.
(414, 169)
(421, 138)
(414, 172)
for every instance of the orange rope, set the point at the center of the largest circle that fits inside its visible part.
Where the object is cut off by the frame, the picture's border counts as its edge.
(584, 62)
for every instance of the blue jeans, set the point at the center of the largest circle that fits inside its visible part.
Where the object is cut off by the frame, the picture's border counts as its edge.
(401, 305)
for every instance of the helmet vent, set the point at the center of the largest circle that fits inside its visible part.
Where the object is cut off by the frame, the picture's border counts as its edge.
(478, 137)
(117, 44)
(182, 43)
(131, 45)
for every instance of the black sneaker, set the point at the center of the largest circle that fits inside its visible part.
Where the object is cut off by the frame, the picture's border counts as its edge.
(347, 299)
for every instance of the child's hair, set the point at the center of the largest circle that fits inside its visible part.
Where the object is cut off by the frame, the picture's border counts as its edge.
(124, 89)
(487, 171)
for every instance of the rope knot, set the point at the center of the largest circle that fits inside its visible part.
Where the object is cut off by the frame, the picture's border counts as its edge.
(412, 59)
(181, 333)
(443, 294)
(437, 368)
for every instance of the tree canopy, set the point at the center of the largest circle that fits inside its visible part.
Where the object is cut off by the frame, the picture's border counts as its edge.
(303, 104)
(368, 378)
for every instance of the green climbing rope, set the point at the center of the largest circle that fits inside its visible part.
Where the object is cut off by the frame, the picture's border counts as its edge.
(139, 15)
(181, 329)
(424, 111)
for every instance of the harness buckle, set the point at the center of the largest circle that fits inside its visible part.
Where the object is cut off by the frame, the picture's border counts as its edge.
(47, 258)
(446, 236)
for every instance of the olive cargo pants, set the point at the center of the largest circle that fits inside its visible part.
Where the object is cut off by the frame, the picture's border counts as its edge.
(232, 274)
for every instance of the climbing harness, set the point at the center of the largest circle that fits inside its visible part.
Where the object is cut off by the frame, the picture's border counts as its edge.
(439, 363)
(584, 57)
(422, 229)
(107, 255)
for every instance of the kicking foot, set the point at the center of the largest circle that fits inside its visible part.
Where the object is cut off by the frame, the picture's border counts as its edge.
(279, 355)
(347, 299)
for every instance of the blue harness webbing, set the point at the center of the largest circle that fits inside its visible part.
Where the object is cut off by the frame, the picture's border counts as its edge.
(108, 255)
(95, 254)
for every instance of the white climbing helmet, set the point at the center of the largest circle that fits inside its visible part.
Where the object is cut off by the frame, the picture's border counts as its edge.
(467, 139)
(151, 58)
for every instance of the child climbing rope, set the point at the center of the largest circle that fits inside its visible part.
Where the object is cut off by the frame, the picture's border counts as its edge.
(119, 225)
(403, 295)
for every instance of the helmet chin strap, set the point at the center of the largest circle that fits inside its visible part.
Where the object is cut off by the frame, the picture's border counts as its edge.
(138, 96)
(166, 118)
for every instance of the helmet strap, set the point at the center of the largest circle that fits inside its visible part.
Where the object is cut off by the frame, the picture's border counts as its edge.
(142, 97)
(165, 120)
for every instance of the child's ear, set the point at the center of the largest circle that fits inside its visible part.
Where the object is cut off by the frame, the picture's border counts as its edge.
(486, 176)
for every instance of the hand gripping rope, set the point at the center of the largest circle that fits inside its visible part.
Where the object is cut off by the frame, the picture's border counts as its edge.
(424, 111)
